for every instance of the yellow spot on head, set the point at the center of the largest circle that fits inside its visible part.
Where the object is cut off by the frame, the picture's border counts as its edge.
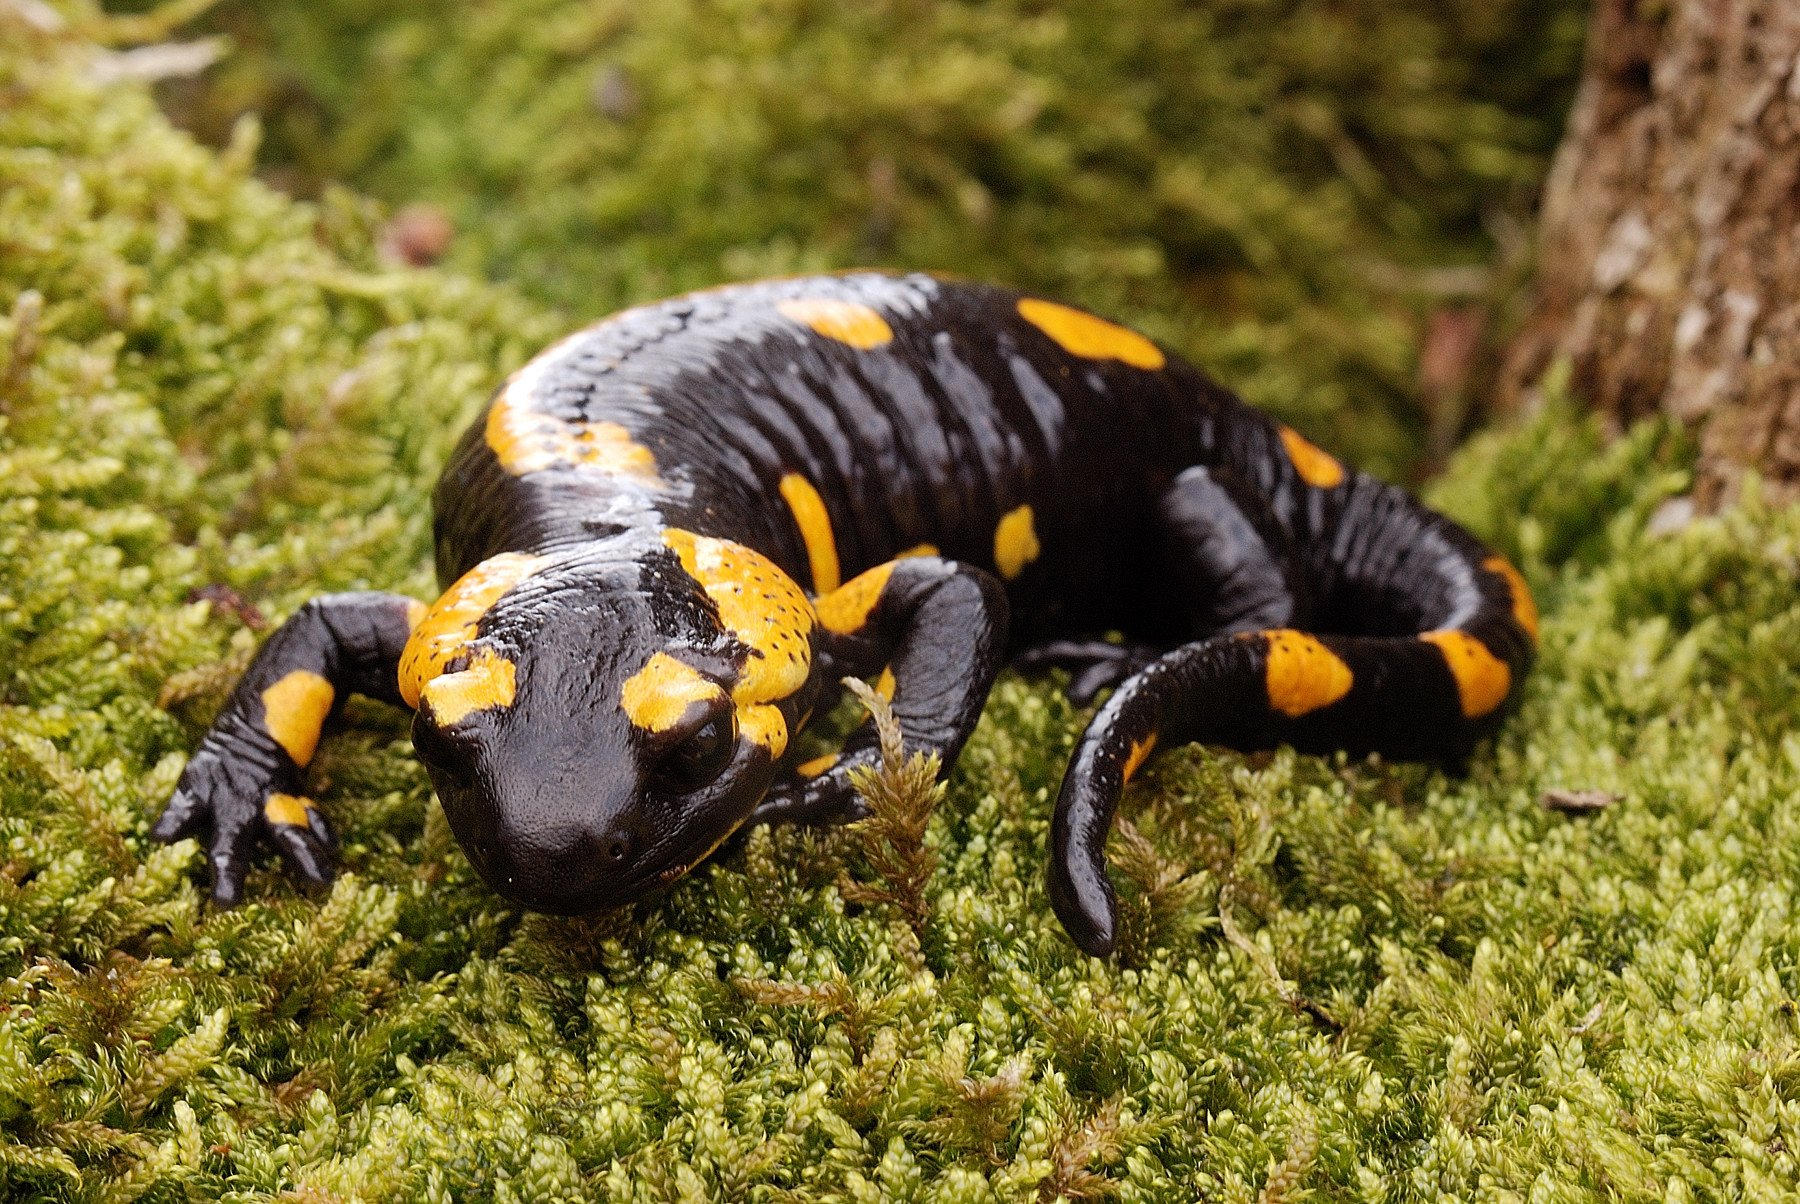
(764, 724)
(1140, 752)
(1081, 333)
(287, 809)
(1524, 606)
(1303, 674)
(489, 682)
(884, 685)
(815, 529)
(1482, 679)
(816, 766)
(448, 628)
(1015, 542)
(294, 711)
(527, 440)
(845, 611)
(846, 321)
(766, 612)
(658, 695)
(1315, 466)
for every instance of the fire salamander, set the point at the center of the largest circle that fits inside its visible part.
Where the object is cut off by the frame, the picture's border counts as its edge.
(671, 535)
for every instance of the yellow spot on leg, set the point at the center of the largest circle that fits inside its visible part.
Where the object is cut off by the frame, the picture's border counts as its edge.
(1140, 752)
(1080, 333)
(885, 685)
(846, 321)
(1303, 674)
(1315, 466)
(816, 766)
(845, 610)
(294, 711)
(1482, 679)
(815, 529)
(658, 695)
(448, 627)
(489, 682)
(287, 809)
(1524, 606)
(1015, 542)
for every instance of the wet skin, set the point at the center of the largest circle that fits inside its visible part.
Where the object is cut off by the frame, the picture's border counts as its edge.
(672, 534)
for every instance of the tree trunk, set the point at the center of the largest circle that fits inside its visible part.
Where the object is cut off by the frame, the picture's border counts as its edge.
(1670, 255)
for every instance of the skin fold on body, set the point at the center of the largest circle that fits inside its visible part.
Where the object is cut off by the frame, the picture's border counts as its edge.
(672, 534)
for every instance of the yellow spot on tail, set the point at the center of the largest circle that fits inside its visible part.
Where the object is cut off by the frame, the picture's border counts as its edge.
(768, 613)
(1315, 466)
(1524, 606)
(1140, 752)
(489, 682)
(448, 628)
(1015, 542)
(527, 440)
(815, 529)
(817, 766)
(884, 685)
(658, 695)
(1482, 679)
(1081, 333)
(846, 321)
(287, 809)
(294, 711)
(1303, 674)
(845, 610)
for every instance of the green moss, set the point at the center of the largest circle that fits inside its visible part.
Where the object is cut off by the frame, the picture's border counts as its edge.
(1340, 980)
(1260, 182)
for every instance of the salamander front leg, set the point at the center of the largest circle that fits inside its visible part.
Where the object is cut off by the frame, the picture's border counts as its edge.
(246, 780)
(932, 633)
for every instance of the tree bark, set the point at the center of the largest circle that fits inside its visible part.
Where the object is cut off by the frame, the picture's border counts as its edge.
(1670, 241)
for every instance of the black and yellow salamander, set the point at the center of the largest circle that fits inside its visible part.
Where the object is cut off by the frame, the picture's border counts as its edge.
(672, 534)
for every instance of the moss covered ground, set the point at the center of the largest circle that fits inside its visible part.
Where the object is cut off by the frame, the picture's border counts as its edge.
(1339, 980)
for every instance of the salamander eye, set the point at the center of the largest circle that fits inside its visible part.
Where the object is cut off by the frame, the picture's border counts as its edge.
(701, 757)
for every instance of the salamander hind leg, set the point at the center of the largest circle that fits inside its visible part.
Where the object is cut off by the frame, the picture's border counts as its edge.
(245, 783)
(931, 632)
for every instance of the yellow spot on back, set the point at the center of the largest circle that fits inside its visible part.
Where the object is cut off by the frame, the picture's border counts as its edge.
(1303, 674)
(816, 766)
(918, 549)
(1315, 466)
(287, 809)
(884, 685)
(1524, 606)
(489, 682)
(1015, 542)
(846, 610)
(1081, 333)
(1140, 752)
(762, 607)
(415, 613)
(294, 711)
(527, 440)
(448, 627)
(1482, 679)
(815, 529)
(846, 321)
(658, 695)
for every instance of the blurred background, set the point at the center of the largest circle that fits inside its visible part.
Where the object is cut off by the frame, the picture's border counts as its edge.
(1324, 202)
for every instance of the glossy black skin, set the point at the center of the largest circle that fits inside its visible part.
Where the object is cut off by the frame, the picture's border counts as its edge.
(1164, 508)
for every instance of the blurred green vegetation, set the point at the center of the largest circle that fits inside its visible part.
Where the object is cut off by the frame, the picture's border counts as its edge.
(1338, 980)
(1276, 187)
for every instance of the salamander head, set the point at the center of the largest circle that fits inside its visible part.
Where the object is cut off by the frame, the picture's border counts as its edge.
(594, 722)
